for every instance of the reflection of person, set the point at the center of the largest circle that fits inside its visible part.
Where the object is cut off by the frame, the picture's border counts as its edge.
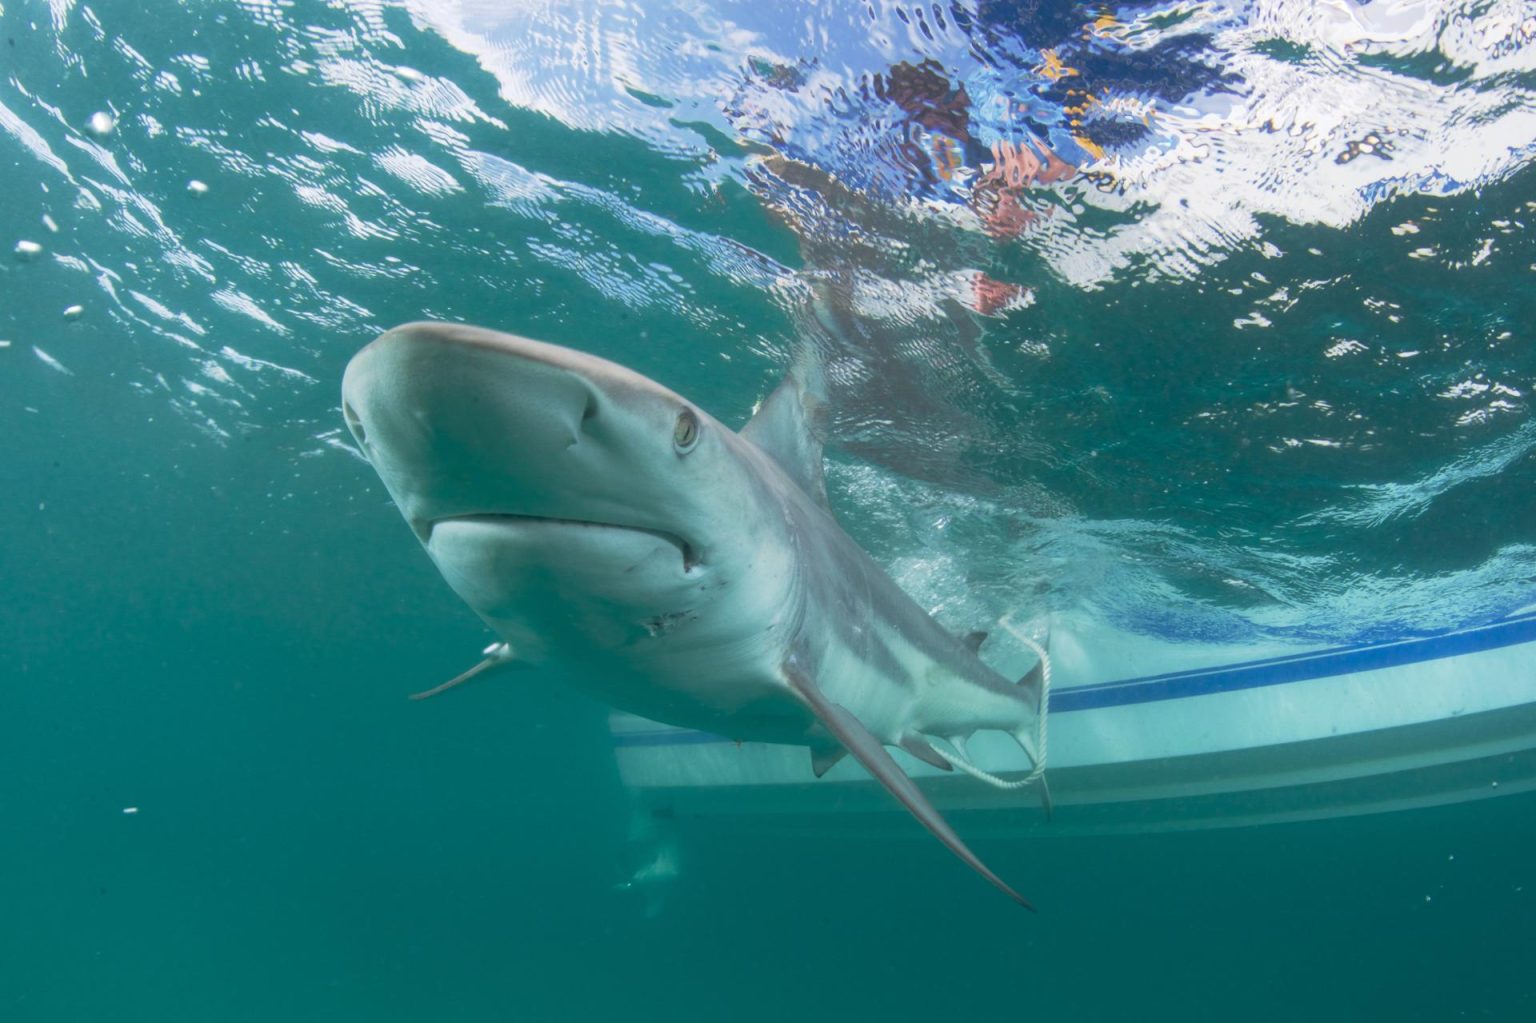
(934, 107)
(1000, 173)
(1042, 92)
(997, 197)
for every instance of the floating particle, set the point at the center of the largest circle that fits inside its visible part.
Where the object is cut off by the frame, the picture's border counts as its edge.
(130, 809)
(56, 365)
(50, 223)
(101, 123)
(4, 343)
(74, 312)
(27, 250)
(197, 187)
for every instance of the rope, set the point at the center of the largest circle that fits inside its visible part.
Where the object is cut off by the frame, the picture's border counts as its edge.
(956, 760)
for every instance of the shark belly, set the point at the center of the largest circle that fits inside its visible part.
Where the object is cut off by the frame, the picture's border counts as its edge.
(570, 595)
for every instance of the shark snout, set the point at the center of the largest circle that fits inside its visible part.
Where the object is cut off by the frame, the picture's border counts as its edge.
(456, 426)
(462, 422)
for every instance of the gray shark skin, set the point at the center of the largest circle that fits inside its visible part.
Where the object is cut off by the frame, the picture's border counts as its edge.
(689, 573)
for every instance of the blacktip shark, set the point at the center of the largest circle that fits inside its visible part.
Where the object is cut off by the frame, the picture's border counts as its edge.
(690, 573)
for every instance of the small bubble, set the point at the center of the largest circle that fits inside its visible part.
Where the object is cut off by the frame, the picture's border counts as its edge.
(197, 187)
(74, 312)
(27, 250)
(130, 809)
(50, 223)
(101, 123)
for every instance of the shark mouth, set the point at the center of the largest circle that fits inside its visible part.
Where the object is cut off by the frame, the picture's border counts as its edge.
(686, 552)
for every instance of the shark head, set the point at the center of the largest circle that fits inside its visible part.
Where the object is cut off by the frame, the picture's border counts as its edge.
(578, 507)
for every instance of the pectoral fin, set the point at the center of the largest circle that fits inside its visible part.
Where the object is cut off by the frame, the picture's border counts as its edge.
(495, 654)
(870, 752)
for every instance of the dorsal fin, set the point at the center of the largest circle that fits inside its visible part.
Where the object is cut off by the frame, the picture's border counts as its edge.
(790, 425)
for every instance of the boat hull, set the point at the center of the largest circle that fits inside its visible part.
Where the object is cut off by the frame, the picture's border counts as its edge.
(1293, 735)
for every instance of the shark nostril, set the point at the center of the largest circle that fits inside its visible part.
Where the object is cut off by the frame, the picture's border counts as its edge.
(354, 424)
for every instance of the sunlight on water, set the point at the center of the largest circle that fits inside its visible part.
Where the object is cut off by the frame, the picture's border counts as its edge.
(978, 200)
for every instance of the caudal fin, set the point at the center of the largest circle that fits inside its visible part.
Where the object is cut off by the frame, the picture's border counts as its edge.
(870, 752)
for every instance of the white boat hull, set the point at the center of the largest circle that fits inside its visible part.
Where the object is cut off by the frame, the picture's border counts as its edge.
(1287, 736)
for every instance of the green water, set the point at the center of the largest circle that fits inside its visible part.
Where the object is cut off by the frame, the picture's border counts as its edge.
(212, 615)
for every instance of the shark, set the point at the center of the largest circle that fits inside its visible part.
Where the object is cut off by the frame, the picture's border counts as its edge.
(681, 570)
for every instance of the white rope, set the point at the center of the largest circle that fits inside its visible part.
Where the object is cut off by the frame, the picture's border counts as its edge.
(956, 760)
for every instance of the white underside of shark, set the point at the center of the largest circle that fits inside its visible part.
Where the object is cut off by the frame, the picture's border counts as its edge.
(683, 571)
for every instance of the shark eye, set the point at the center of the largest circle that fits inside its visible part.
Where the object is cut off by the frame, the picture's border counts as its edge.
(686, 433)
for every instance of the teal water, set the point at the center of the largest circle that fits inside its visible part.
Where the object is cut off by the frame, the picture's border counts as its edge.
(212, 614)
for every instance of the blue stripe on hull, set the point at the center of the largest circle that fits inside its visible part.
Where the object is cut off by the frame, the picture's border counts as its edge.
(1231, 677)
(1296, 668)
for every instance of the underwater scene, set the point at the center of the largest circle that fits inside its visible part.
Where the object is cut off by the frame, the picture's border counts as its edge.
(695, 510)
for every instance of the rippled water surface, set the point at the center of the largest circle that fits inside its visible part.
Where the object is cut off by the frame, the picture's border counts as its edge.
(1206, 320)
